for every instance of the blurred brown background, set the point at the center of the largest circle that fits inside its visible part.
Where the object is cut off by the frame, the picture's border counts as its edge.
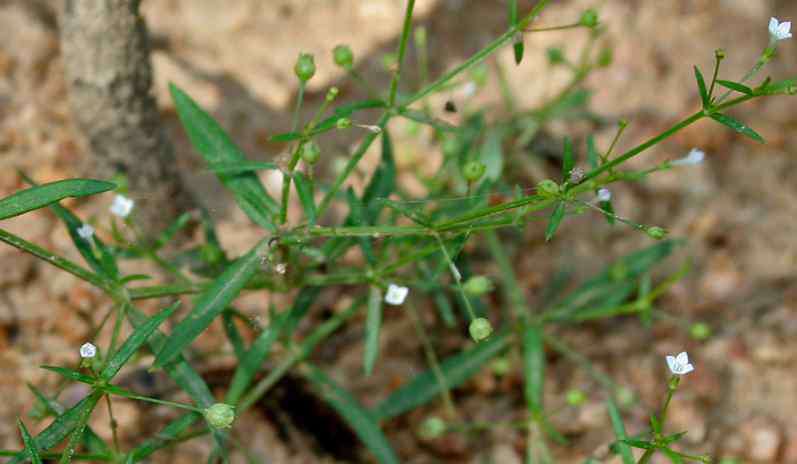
(738, 209)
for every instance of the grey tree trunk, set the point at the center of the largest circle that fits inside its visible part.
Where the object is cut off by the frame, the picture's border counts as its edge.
(109, 76)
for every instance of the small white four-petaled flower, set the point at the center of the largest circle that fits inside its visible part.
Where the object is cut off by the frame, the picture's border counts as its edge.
(604, 194)
(680, 364)
(87, 350)
(778, 30)
(396, 294)
(695, 156)
(85, 232)
(122, 206)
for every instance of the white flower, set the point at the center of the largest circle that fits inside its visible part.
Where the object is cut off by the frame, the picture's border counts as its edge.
(695, 156)
(778, 30)
(396, 294)
(604, 194)
(122, 206)
(87, 350)
(680, 365)
(85, 232)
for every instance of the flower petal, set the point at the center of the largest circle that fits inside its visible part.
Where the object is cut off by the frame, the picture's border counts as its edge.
(682, 358)
(685, 369)
(672, 364)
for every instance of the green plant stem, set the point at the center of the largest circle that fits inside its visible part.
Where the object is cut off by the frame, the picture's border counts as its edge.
(114, 425)
(555, 28)
(174, 404)
(457, 277)
(297, 108)
(91, 457)
(434, 363)
(402, 50)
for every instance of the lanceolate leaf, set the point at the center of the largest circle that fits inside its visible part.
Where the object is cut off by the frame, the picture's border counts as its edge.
(533, 367)
(373, 324)
(213, 143)
(30, 446)
(305, 189)
(619, 432)
(46, 194)
(701, 86)
(211, 303)
(139, 336)
(567, 159)
(741, 88)
(425, 386)
(554, 221)
(737, 126)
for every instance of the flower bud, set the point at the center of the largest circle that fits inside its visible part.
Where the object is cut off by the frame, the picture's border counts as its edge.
(501, 366)
(431, 428)
(343, 123)
(478, 285)
(575, 397)
(719, 54)
(700, 331)
(589, 18)
(305, 67)
(473, 170)
(310, 152)
(332, 93)
(479, 329)
(220, 415)
(656, 232)
(343, 56)
(547, 188)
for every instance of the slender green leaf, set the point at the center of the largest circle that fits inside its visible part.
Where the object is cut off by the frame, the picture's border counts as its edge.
(592, 152)
(425, 386)
(701, 86)
(46, 194)
(210, 140)
(383, 182)
(70, 374)
(554, 221)
(741, 88)
(306, 189)
(233, 335)
(93, 442)
(518, 47)
(252, 360)
(30, 446)
(641, 444)
(787, 87)
(61, 426)
(166, 437)
(286, 137)
(533, 367)
(568, 161)
(211, 302)
(619, 432)
(139, 336)
(77, 433)
(240, 167)
(373, 325)
(737, 126)
(358, 418)
(344, 111)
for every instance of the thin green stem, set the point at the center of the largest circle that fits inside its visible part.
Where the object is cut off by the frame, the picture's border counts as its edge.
(402, 50)
(457, 277)
(554, 28)
(434, 363)
(297, 108)
(114, 424)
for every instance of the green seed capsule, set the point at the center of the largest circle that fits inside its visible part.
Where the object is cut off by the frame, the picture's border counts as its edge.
(548, 188)
(478, 285)
(305, 67)
(656, 232)
(473, 170)
(431, 428)
(332, 93)
(480, 328)
(589, 18)
(220, 415)
(343, 123)
(343, 56)
(311, 152)
(575, 397)
(700, 331)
